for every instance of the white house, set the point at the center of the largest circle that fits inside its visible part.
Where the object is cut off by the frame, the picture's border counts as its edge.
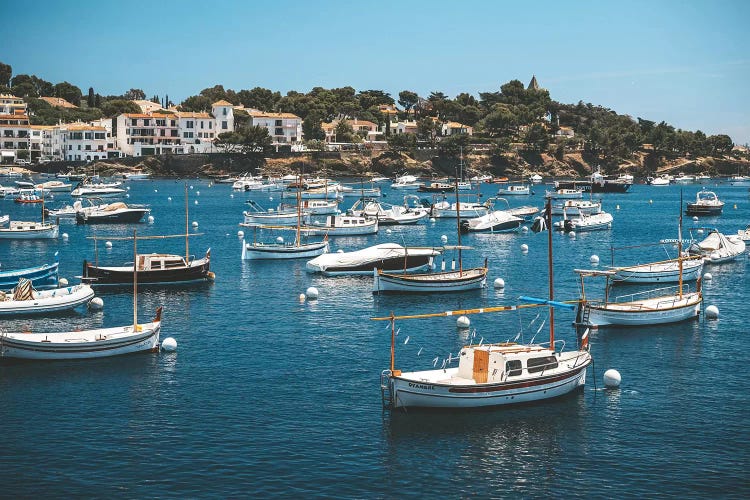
(14, 128)
(284, 128)
(223, 113)
(141, 134)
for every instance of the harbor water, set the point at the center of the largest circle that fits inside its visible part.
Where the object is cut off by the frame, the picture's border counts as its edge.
(271, 395)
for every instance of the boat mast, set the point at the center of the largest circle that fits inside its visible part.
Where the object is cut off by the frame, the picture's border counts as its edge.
(299, 205)
(187, 226)
(458, 217)
(393, 342)
(679, 247)
(548, 216)
(135, 282)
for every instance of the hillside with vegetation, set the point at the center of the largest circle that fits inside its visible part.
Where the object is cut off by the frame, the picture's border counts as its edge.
(517, 130)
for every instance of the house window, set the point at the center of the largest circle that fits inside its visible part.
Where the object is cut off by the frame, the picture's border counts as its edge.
(134, 122)
(278, 123)
(201, 123)
(188, 135)
(88, 147)
(161, 123)
(224, 111)
(146, 122)
(173, 123)
(189, 124)
(175, 133)
(210, 125)
(279, 131)
(224, 125)
(88, 135)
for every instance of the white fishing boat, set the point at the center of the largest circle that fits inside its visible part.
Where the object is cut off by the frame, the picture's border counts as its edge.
(565, 194)
(576, 207)
(246, 181)
(454, 280)
(490, 374)
(744, 234)
(514, 189)
(666, 271)
(717, 248)
(386, 213)
(83, 344)
(136, 175)
(684, 179)
(662, 180)
(24, 230)
(6, 191)
(25, 300)
(342, 225)
(390, 257)
(595, 222)
(445, 209)
(257, 215)
(651, 307)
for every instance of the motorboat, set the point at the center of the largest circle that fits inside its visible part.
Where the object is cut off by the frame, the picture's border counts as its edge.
(717, 248)
(246, 182)
(497, 221)
(136, 175)
(257, 215)
(342, 225)
(489, 374)
(684, 179)
(390, 257)
(518, 189)
(97, 191)
(113, 213)
(28, 196)
(53, 187)
(662, 180)
(445, 209)
(70, 211)
(706, 203)
(25, 230)
(406, 182)
(386, 213)
(744, 234)
(24, 300)
(536, 179)
(6, 191)
(595, 222)
(436, 187)
(576, 207)
(565, 194)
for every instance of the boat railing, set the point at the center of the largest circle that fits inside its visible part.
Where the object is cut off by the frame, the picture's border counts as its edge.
(651, 294)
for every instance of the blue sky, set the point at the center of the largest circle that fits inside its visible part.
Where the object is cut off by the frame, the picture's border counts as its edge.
(684, 62)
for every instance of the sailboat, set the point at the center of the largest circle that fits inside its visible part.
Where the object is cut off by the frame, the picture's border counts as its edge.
(651, 307)
(82, 344)
(153, 268)
(256, 250)
(443, 281)
(498, 374)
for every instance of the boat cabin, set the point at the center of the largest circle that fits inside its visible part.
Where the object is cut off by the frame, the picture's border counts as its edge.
(160, 261)
(494, 363)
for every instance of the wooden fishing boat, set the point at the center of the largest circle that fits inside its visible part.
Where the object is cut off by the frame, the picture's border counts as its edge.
(490, 374)
(665, 271)
(24, 300)
(514, 189)
(342, 225)
(24, 230)
(454, 280)
(386, 256)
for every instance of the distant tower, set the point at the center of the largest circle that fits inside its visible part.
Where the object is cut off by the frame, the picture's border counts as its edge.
(533, 84)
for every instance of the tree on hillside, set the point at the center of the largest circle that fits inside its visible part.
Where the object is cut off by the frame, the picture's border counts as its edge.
(453, 146)
(253, 142)
(428, 129)
(134, 95)
(6, 71)
(407, 99)
(259, 98)
(343, 132)
(311, 128)
(69, 92)
(196, 103)
(91, 99)
(30, 86)
(370, 98)
(537, 138)
(402, 142)
(116, 107)
(720, 144)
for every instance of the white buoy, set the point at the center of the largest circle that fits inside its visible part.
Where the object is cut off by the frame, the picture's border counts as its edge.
(695, 218)
(340, 250)
(62, 282)
(617, 207)
(169, 344)
(195, 224)
(432, 219)
(524, 229)
(150, 219)
(499, 283)
(231, 195)
(127, 195)
(280, 240)
(302, 297)
(708, 277)
(191, 186)
(195, 202)
(240, 234)
(65, 236)
(108, 244)
(197, 193)
(388, 231)
(712, 312)
(572, 235)
(312, 292)
(594, 259)
(612, 378)
(463, 322)
(127, 188)
(270, 198)
(524, 248)
(97, 304)
(169, 198)
(444, 239)
(650, 202)
(155, 190)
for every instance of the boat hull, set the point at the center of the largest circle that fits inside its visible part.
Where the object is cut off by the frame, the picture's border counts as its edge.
(672, 310)
(273, 251)
(198, 270)
(45, 233)
(81, 345)
(411, 393)
(124, 217)
(670, 273)
(48, 302)
(451, 281)
(41, 276)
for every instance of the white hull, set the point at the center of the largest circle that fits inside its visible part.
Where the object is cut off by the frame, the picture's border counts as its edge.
(97, 193)
(412, 390)
(85, 344)
(62, 299)
(659, 272)
(449, 281)
(465, 211)
(655, 311)
(274, 251)
(39, 232)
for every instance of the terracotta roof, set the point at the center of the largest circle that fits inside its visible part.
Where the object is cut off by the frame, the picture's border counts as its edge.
(222, 103)
(263, 114)
(456, 125)
(147, 115)
(192, 114)
(58, 102)
(83, 126)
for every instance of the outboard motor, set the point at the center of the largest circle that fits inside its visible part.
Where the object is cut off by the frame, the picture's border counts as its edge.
(539, 224)
(568, 226)
(464, 226)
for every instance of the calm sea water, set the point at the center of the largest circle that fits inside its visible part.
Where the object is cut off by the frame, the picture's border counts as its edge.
(270, 396)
